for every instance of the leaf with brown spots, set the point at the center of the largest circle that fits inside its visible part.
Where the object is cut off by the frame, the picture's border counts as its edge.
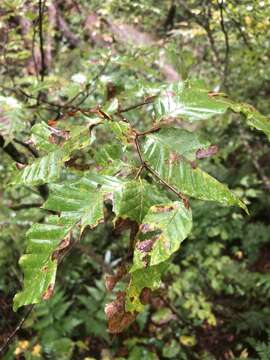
(181, 175)
(164, 227)
(65, 243)
(79, 204)
(48, 293)
(204, 153)
(167, 226)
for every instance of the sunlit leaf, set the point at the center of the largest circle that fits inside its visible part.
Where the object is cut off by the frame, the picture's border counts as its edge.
(183, 142)
(173, 168)
(188, 101)
(192, 101)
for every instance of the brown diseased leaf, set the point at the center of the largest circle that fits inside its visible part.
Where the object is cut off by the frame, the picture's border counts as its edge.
(118, 318)
(145, 296)
(65, 243)
(146, 245)
(163, 208)
(20, 166)
(48, 293)
(204, 153)
(122, 225)
(52, 122)
(144, 228)
(186, 202)
(174, 158)
(112, 280)
(58, 136)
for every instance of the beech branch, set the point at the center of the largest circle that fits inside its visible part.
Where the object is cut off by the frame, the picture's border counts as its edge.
(227, 45)
(145, 165)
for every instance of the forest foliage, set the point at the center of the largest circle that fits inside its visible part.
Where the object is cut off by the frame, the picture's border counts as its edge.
(134, 214)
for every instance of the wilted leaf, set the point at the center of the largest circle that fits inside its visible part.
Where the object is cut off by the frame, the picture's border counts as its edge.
(118, 318)
(204, 153)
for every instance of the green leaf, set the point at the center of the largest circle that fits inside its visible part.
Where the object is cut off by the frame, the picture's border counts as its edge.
(161, 233)
(108, 158)
(48, 168)
(77, 202)
(167, 225)
(121, 130)
(108, 154)
(192, 101)
(12, 117)
(80, 203)
(110, 186)
(137, 197)
(41, 134)
(173, 168)
(43, 170)
(38, 265)
(254, 118)
(147, 278)
(187, 100)
(184, 142)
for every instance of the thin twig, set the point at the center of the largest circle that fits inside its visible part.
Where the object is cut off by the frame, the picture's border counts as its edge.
(254, 159)
(86, 92)
(143, 163)
(41, 7)
(227, 45)
(205, 24)
(181, 320)
(132, 107)
(28, 147)
(25, 206)
(147, 132)
(33, 48)
(239, 27)
(153, 172)
(16, 330)
(139, 172)
(36, 98)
